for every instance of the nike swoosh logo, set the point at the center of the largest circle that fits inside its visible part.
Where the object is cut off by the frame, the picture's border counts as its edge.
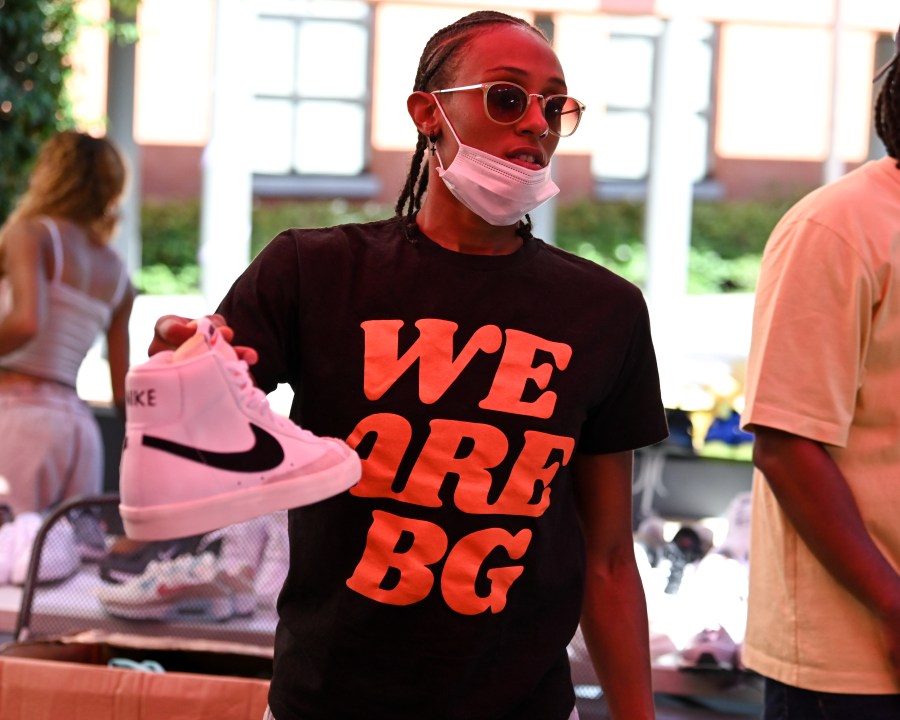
(266, 453)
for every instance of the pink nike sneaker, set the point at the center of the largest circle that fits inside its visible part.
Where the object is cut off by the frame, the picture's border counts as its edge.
(204, 450)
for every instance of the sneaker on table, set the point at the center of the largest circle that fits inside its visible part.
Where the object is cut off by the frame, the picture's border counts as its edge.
(127, 558)
(725, 439)
(90, 534)
(661, 644)
(239, 584)
(204, 450)
(185, 587)
(737, 539)
(242, 550)
(275, 561)
(711, 649)
(59, 558)
(686, 547)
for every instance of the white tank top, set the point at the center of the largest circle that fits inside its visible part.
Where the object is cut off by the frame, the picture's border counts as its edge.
(74, 320)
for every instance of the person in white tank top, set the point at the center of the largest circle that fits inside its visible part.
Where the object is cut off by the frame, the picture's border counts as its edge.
(61, 285)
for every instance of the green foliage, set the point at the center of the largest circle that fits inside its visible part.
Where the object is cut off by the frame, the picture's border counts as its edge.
(35, 39)
(602, 225)
(735, 229)
(171, 235)
(269, 219)
(709, 272)
(122, 24)
(628, 259)
(170, 243)
(727, 239)
(164, 280)
(726, 246)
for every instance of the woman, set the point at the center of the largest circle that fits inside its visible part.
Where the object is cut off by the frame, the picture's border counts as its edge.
(494, 388)
(61, 284)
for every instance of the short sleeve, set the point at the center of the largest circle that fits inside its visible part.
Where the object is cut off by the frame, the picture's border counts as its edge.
(632, 414)
(810, 327)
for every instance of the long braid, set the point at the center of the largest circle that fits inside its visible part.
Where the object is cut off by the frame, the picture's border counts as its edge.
(435, 65)
(887, 112)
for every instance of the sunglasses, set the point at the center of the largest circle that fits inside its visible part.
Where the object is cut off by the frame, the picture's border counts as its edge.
(506, 103)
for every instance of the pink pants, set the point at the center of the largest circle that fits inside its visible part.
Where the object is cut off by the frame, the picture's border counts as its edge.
(51, 448)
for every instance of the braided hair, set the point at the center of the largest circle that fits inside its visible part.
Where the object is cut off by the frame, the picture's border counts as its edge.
(887, 112)
(436, 65)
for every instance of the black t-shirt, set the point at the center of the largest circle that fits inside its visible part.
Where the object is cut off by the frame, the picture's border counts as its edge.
(448, 583)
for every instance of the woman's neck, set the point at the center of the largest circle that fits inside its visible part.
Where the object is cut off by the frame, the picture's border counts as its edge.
(459, 229)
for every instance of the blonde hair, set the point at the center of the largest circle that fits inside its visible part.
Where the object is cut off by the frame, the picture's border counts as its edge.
(77, 177)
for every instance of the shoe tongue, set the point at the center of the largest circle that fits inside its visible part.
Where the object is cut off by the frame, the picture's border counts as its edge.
(218, 344)
(205, 339)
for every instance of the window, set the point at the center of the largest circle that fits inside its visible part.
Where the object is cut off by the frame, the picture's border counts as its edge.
(624, 141)
(311, 104)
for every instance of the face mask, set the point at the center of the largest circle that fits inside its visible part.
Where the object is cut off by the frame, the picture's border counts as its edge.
(498, 191)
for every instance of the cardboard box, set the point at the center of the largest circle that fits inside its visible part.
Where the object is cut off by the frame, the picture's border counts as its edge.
(55, 679)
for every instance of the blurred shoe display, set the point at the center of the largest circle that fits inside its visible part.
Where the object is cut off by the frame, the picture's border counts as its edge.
(725, 439)
(59, 557)
(710, 649)
(185, 587)
(127, 558)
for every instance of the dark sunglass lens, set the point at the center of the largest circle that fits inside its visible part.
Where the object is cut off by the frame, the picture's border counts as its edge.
(562, 113)
(506, 103)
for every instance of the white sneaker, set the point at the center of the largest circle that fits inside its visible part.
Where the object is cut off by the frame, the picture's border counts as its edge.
(241, 555)
(186, 587)
(710, 649)
(275, 561)
(737, 540)
(203, 449)
(59, 555)
(7, 552)
(238, 583)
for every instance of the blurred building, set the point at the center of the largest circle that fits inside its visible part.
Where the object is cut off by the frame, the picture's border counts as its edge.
(235, 101)
(775, 90)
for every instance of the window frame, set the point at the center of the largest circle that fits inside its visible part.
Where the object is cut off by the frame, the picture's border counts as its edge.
(296, 184)
(613, 188)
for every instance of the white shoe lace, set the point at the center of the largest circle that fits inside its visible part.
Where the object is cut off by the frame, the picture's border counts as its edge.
(255, 399)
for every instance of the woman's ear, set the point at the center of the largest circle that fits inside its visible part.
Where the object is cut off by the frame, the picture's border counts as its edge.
(422, 108)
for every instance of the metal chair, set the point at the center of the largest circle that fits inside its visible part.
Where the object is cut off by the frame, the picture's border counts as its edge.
(196, 588)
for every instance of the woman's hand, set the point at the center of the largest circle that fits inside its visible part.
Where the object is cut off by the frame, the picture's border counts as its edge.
(171, 331)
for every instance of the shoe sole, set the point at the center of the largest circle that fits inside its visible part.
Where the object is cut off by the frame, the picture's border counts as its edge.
(175, 520)
(218, 610)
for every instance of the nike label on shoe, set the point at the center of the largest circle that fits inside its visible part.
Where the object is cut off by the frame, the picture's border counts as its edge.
(266, 453)
(141, 398)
